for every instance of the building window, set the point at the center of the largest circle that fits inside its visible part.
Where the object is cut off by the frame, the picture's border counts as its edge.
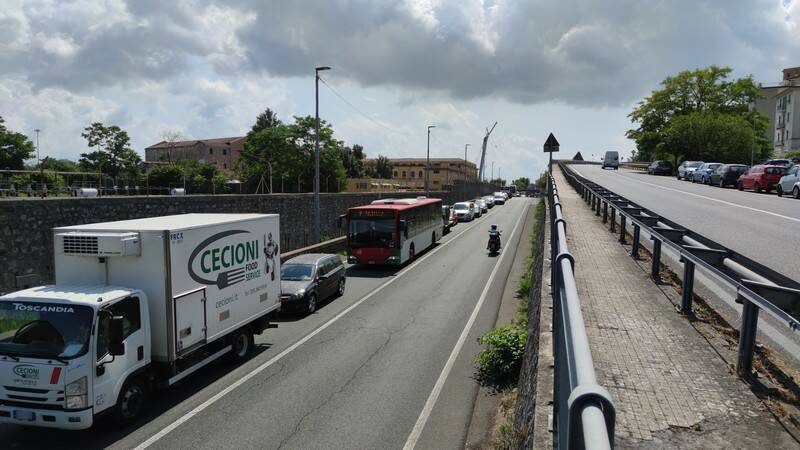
(420, 174)
(211, 151)
(224, 151)
(435, 171)
(404, 174)
(224, 165)
(395, 174)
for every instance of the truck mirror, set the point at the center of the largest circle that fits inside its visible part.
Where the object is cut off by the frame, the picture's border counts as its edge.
(115, 336)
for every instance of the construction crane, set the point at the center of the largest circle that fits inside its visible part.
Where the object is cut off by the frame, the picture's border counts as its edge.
(483, 151)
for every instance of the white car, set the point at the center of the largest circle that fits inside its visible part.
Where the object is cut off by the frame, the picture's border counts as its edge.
(789, 183)
(499, 198)
(464, 211)
(481, 204)
(489, 201)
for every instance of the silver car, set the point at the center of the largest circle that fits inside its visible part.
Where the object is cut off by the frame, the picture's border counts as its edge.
(789, 183)
(481, 203)
(464, 212)
(309, 279)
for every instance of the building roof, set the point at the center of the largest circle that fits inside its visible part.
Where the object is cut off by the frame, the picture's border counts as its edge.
(209, 142)
(422, 161)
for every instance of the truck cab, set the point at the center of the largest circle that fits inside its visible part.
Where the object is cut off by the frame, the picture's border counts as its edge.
(68, 353)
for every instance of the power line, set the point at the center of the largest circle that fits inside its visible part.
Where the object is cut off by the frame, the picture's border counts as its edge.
(341, 97)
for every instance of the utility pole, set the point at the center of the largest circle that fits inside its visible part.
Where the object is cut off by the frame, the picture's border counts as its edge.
(428, 162)
(316, 155)
(41, 168)
(483, 152)
(492, 178)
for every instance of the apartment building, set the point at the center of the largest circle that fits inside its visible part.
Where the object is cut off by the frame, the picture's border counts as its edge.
(221, 152)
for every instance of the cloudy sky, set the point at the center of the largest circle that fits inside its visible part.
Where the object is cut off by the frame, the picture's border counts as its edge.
(207, 68)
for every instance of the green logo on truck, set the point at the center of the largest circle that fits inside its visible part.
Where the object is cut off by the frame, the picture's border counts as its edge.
(225, 262)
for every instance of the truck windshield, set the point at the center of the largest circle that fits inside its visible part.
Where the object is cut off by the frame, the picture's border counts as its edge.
(48, 330)
(371, 232)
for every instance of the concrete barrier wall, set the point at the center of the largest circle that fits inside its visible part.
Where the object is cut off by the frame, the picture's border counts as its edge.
(26, 240)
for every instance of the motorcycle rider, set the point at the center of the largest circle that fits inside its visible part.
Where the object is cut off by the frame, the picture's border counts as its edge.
(494, 234)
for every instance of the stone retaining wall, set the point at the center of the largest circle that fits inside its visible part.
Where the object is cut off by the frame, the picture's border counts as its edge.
(26, 239)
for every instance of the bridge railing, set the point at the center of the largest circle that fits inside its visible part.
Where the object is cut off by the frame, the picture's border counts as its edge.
(583, 412)
(758, 288)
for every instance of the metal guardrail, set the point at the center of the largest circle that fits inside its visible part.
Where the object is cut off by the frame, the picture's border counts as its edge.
(635, 165)
(583, 412)
(758, 288)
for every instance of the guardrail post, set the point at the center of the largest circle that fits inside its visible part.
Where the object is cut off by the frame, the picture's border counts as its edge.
(613, 220)
(747, 338)
(655, 270)
(688, 286)
(622, 230)
(635, 245)
(605, 212)
(597, 209)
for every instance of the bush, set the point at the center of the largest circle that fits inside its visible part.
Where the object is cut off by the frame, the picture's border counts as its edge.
(499, 364)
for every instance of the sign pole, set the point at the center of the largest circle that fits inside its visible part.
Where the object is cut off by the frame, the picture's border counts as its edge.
(551, 145)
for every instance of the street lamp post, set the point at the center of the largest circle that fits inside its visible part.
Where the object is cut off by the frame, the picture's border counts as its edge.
(428, 162)
(39, 158)
(465, 162)
(317, 70)
(492, 179)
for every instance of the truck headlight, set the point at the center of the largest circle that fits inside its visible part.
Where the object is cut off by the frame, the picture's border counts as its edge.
(76, 394)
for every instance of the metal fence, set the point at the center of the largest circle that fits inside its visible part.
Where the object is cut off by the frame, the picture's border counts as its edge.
(758, 288)
(583, 412)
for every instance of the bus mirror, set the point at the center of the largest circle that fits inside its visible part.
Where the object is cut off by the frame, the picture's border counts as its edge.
(340, 220)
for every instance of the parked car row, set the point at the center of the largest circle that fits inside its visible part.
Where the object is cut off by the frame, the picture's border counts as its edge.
(472, 209)
(782, 175)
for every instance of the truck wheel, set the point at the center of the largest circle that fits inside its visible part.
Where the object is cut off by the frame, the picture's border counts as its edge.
(242, 343)
(131, 402)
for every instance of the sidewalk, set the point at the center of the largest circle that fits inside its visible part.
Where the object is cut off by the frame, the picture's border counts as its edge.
(670, 388)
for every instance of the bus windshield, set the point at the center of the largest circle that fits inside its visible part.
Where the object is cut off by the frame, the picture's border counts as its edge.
(47, 330)
(371, 232)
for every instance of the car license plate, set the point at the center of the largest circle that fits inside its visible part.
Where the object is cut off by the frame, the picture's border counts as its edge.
(28, 416)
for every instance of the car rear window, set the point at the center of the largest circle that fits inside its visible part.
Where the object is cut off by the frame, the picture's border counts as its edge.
(774, 170)
(739, 169)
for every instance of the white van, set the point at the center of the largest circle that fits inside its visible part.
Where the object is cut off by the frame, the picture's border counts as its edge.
(611, 159)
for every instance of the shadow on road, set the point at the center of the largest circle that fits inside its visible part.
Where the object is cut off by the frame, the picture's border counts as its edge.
(105, 431)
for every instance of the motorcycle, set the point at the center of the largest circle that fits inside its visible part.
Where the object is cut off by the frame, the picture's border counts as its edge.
(494, 244)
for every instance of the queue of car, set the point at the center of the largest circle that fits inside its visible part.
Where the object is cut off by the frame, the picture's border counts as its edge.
(782, 175)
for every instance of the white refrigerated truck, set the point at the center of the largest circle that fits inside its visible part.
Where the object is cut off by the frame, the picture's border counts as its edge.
(137, 305)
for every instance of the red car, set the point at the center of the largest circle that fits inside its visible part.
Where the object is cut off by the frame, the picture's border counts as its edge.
(761, 177)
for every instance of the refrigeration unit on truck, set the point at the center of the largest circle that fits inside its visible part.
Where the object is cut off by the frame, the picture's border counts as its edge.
(137, 305)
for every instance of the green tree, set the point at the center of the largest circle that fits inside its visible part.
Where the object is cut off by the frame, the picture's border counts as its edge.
(290, 151)
(114, 156)
(710, 136)
(15, 148)
(383, 167)
(267, 119)
(353, 160)
(521, 183)
(708, 91)
(60, 165)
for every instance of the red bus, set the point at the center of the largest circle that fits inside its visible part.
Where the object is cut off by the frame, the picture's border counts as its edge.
(393, 231)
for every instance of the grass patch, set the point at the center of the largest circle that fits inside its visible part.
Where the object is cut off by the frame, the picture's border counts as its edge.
(526, 281)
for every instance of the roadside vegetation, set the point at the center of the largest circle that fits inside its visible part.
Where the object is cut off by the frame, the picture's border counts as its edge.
(498, 365)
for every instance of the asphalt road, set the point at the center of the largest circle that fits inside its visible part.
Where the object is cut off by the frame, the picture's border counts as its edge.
(365, 371)
(762, 227)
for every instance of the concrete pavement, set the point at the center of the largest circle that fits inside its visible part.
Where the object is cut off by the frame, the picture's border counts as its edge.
(361, 382)
(670, 388)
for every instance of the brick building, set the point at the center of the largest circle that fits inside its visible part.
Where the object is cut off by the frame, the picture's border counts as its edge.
(219, 151)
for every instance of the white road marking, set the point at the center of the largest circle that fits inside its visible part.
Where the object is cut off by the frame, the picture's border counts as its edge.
(416, 432)
(198, 409)
(793, 219)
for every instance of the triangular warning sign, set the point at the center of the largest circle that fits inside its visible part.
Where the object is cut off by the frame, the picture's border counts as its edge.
(551, 144)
